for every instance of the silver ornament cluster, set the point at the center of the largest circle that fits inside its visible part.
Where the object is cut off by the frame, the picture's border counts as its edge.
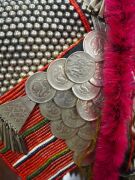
(68, 97)
(32, 33)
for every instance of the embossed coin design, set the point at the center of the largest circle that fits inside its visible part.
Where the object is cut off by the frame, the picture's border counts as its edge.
(71, 118)
(38, 89)
(97, 79)
(93, 44)
(79, 67)
(60, 130)
(88, 131)
(77, 144)
(50, 110)
(85, 91)
(65, 99)
(87, 110)
(56, 75)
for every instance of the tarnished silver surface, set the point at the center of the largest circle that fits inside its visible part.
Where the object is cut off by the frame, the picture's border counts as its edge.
(71, 118)
(17, 111)
(85, 91)
(60, 130)
(50, 110)
(56, 75)
(77, 144)
(88, 131)
(87, 110)
(93, 44)
(65, 99)
(97, 79)
(38, 89)
(79, 67)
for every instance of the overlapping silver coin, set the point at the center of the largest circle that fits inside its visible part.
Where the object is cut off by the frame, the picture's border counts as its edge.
(38, 89)
(50, 110)
(65, 99)
(97, 79)
(60, 130)
(79, 67)
(56, 75)
(93, 44)
(71, 118)
(87, 110)
(85, 91)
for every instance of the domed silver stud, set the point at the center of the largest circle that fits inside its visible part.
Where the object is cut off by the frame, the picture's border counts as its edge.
(6, 83)
(31, 55)
(8, 76)
(36, 61)
(29, 26)
(53, 26)
(20, 62)
(32, 6)
(5, 63)
(16, 55)
(11, 48)
(13, 62)
(28, 62)
(22, 74)
(15, 76)
(3, 70)
(10, 69)
(19, 13)
(55, 7)
(40, 19)
(43, 48)
(65, 34)
(49, 34)
(28, 12)
(50, 47)
(3, 90)
(30, 40)
(54, 41)
(45, 26)
(33, 68)
(32, 19)
(27, 47)
(46, 40)
(39, 55)
(40, 7)
(58, 48)
(1, 76)
(47, 7)
(23, 55)
(43, 61)
(47, 55)
(38, 40)
(19, 48)
(56, 20)
(36, 12)
(25, 69)
(57, 34)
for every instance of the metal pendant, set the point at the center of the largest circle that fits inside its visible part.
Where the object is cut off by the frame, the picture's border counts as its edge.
(13, 116)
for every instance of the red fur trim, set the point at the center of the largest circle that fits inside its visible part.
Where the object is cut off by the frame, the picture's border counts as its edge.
(112, 141)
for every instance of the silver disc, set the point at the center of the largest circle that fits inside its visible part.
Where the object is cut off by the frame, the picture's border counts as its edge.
(79, 67)
(71, 118)
(88, 131)
(56, 75)
(60, 130)
(38, 89)
(93, 44)
(87, 110)
(97, 79)
(77, 144)
(85, 91)
(50, 110)
(65, 99)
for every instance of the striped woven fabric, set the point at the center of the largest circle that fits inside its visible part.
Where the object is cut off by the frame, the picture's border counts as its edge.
(48, 157)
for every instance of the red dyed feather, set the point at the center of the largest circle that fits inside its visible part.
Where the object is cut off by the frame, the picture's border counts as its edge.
(117, 108)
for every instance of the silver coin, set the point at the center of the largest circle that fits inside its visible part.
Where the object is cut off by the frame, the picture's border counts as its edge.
(60, 130)
(85, 91)
(88, 131)
(71, 118)
(97, 79)
(79, 67)
(38, 89)
(99, 100)
(77, 144)
(87, 110)
(83, 159)
(56, 75)
(65, 99)
(93, 44)
(50, 110)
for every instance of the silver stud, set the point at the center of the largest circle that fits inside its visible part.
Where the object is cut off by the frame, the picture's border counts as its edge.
(39, 55)
(8, 76)
(25, 68)
(36, 61)
(43, 48)
(10, 69)
(28, 62)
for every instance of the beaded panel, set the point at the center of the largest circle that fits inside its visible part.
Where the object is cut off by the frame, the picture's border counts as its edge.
(31, 33)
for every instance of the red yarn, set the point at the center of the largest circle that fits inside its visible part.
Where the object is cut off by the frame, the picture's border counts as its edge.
(116, 113)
